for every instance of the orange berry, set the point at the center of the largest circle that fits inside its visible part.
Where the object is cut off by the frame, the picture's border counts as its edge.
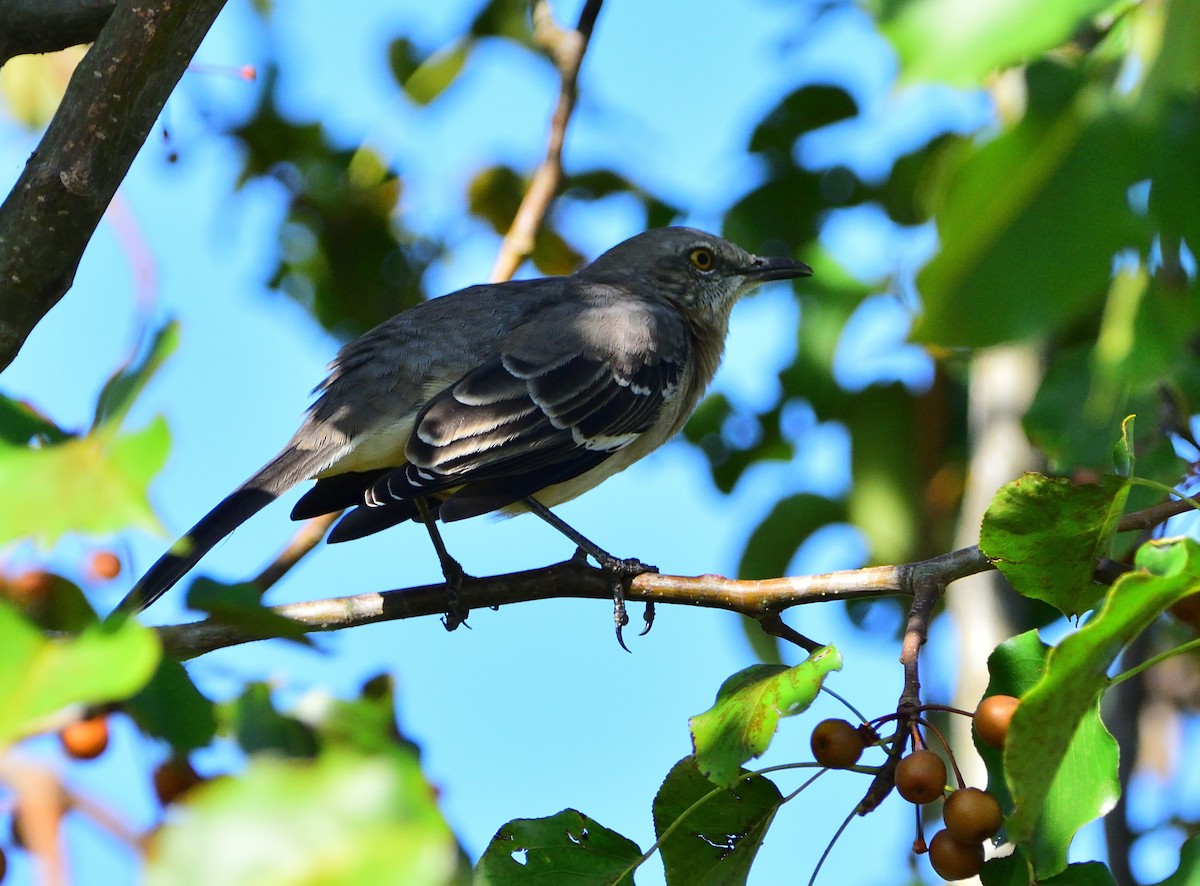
(85, 739)
(104, 565)
(992, 718)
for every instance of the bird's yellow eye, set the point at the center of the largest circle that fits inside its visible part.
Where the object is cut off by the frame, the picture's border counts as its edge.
(702, 258)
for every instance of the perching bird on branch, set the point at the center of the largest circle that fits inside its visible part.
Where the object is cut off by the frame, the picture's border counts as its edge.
(508, 397)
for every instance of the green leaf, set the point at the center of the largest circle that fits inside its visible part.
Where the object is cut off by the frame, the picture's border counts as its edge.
(565, 848)
(777, 538)
(21, 422)
(741, 723)
(1056, 735)
(172, 708)
(342, 818)
(430, 77)
(107, 662)
(1123, 457)
(1029, 223)
(1079, 784)
(240, 605)
(259, 727)
(95, 484)
(717, 841)
(961, 43)
(123, 387)
(1013, 870)
(1046, 534)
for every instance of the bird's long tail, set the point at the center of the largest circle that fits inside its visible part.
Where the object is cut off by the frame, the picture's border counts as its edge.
(275, 478)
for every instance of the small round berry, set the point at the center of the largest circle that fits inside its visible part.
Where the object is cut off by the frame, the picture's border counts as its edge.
(921, 777)
(953, 860)
(836, 744)
(104, 565)
(992, 718)
(173, 779)
(972, 815)
(85, 739)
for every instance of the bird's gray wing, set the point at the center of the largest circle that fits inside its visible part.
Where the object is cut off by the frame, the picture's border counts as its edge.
(559, 399)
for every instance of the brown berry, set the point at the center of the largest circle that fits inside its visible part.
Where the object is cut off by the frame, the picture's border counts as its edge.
(173, 779)
(104, 565)
(85, 739)
(953, 860)
(972, 815)
(836, 744)
(30, 588)
(921, 777)
(992, 718)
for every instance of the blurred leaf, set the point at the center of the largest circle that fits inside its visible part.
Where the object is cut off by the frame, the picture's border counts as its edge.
(1046, 534)
(776, 539)
(342, 818)
(366, 723)
(123, 386)
(718, 841)
(31, 86)
(511, 19)
(425, 78)
(884, 499)
(106, 662)
(1062, 709)
(345, 255)
(495, 195)
(809, 107)
(779, 216)
(741, 723)
(170, 707)
(960, 43)
(22, 423)
(1030, 221)
(1175, 188)
(260, 728)
(1189, 865)
(95, 484)
(241, 605)
(565, 848)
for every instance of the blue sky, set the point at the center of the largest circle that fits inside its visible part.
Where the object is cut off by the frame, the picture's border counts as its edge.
(536, 708)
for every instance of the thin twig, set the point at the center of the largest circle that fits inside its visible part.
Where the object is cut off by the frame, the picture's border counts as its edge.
(307, 537)
(567, 48)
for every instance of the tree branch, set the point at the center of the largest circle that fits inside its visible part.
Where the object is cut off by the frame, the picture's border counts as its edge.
(29, 26)
(567, 48)
(576, 579)
(111, 103)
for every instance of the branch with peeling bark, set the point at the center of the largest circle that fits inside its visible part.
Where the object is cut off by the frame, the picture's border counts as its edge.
(110, 105)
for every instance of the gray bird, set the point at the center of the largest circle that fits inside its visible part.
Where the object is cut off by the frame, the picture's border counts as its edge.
(512, 396)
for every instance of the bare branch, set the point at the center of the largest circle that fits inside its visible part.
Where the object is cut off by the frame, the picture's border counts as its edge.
(576, 579)
(307, 537)
(112, 101)
(29, 26)
(567, 48)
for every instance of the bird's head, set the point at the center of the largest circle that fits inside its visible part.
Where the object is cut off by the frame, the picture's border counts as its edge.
(702, 273)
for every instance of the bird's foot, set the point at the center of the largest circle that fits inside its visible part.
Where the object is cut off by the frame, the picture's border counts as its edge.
(456, 577)
(621, 574)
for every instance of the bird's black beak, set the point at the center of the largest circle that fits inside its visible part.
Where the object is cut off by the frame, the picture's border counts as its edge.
(764, 269)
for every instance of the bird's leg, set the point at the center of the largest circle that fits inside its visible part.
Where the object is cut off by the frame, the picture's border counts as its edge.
(451, 569)
(621, 572)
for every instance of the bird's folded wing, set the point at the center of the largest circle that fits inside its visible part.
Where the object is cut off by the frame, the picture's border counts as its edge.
(541, 413)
